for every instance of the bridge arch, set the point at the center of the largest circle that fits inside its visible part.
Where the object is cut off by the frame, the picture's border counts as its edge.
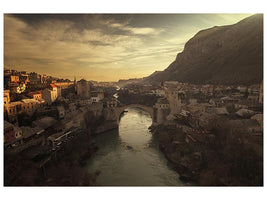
(119, 110)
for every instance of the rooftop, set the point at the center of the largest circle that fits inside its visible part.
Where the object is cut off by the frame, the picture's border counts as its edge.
(33, 93)
(30, 101)
(53, 85)
(45, 122)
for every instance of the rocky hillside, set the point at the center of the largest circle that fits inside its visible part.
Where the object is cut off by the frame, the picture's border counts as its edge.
(230, 54)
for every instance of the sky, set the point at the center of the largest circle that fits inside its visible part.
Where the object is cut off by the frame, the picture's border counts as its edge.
(101, 47)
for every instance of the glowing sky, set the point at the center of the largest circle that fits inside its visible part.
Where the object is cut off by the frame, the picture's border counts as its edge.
(101, 47)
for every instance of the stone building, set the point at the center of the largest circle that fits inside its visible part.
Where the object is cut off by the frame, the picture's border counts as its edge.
(172, 96)
(161, 110)
(83, 89)
(99, 93)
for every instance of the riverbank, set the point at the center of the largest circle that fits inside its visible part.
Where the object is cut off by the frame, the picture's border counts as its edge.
(186, 163)
(211, 161)
(64, 168)
(43, 165)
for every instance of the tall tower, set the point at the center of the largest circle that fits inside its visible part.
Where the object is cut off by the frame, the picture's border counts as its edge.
(75, 86)
(171, 94)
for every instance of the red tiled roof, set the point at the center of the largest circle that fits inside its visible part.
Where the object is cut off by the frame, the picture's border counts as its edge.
(53, 85)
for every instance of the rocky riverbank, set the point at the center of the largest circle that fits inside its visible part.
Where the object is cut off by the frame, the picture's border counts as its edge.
(177, 151)
(217, 162)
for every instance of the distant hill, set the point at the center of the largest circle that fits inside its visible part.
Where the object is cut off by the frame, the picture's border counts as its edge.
(124, 82)
(230, 54)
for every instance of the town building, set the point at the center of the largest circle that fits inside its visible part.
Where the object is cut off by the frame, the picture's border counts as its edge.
(98, 93)
(83, 89)
(159, 92)
(6, 97)
(110, 102)
(35, 78)
(35, 95)
(161, 110)
(30, 105)
(14, 78)
(9, 133)
(12, 133)
(50, 94)
(63, 85)
(171, 93)
(84, 102)
(24, 78)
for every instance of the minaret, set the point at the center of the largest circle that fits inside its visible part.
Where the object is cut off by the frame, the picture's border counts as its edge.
(75, 87)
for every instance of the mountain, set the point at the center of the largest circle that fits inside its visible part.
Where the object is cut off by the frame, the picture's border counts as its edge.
(227, 55)
(124, 82)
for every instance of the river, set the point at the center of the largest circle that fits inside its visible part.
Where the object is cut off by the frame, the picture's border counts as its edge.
(130, 156)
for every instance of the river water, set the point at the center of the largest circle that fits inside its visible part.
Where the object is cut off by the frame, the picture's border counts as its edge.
(130, 156)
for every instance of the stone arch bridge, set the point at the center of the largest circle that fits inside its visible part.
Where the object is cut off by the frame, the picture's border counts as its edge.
(119, 110)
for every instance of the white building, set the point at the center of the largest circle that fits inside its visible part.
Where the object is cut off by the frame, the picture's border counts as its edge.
(50, 94)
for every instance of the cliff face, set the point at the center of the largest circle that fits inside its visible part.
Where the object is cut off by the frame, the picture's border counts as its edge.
(230, 54)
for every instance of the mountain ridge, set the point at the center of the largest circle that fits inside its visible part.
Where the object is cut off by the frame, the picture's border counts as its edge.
(231, 54)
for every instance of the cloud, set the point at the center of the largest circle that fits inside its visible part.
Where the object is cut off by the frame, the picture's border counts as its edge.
(135, 30)
(56, 46)
(99, 43)
(99, 47)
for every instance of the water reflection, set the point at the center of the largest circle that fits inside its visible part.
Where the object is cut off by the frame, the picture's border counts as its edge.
(133, 128)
